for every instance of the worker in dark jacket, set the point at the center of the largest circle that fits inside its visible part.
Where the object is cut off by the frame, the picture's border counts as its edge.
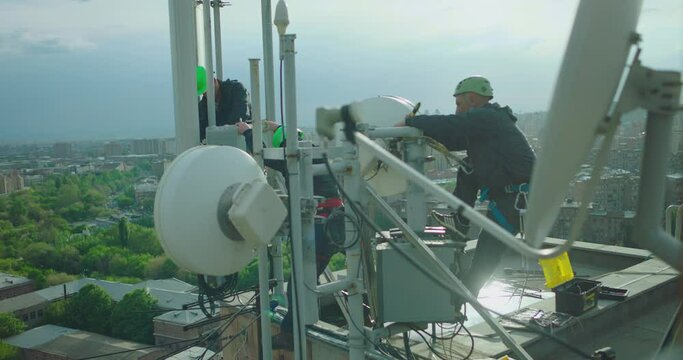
(329, 220)
(232, 104)
(499, 165)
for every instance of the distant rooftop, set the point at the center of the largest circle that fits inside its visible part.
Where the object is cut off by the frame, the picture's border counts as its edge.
(193, 353)
(76, 344)
(38, 336)
(8, 280)
(172, 284)
(171, 294)
(182, 317)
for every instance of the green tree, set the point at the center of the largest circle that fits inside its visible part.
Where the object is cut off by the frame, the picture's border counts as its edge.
(143, 240)
(123, 232)
(68, 260)
(18, 211)
(132, 317)
(10, 325)
(90, 310)
(56, 314)
(59, 278)
(94, 197)
(97, 259)
(160, 267)
(68, 195)
(126, 264)
(41, 255)
(125, 202)
(8, 352)
(37, 276)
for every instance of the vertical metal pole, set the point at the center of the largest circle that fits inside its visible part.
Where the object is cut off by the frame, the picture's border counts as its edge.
(278, 268)
(292, 154)
(263, 269)
(647, 229)
(352, 186)
(257, 123)
(416, 207)
(183, 63)
(267, 30)
(208, 63)
(217, 37)
(308, 231)
(269, 89)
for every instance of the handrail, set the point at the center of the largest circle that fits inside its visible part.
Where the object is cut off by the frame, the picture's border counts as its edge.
(461, 207)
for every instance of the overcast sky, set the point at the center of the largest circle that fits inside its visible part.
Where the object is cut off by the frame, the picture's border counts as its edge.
(101, 69)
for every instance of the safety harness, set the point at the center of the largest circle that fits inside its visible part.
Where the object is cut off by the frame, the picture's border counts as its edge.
(522, 191)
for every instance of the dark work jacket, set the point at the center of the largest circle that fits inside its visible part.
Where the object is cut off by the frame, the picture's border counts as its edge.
(497, 150)
(323, 185)
(232, 107)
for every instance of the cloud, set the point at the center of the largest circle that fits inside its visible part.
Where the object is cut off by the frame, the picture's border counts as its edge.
(22, 42)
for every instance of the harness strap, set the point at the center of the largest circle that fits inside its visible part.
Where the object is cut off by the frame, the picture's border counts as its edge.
(497, 214)
(516, 188)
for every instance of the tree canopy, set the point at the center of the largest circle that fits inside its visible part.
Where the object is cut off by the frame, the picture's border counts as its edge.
(90, 309)
(10, 325)
(132, 317)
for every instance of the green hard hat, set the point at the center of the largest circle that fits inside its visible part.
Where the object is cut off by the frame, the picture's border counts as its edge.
(475, 84)
(279, 136)
(201, 80)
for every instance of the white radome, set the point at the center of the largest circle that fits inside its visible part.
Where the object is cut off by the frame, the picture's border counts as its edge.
(186, 209)
(381, 111)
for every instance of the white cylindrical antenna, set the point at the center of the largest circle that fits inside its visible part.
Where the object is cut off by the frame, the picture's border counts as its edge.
(257, 122)
(268, 76)
(208, 64)
(281, 17)
(217, 37)
(183, 65)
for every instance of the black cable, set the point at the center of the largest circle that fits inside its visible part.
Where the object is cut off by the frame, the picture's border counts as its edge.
(438, 280)
(236, 335)
(471, 341)
(214, 333)
(406, 345)
(137, 349)
(193, 342)
(213, 294)
(225, 327)
(418, 332)
(377, 170)
(189, 306)
(340, 244)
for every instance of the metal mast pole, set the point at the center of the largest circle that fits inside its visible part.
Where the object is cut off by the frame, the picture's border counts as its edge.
(208, 59)
(217, 36)
(292, 155)
(267, 29)
(267, 34)
(183, 64)
(263, 270)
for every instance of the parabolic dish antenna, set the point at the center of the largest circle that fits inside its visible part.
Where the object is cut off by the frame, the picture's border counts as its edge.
(381, 111)
(589, 76)
(187, 209)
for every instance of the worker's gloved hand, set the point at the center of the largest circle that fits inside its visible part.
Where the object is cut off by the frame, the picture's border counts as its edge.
(270, 125)
(242, 127)
(400, 124)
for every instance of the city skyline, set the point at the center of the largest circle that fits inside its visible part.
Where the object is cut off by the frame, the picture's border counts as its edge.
(74, 71)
